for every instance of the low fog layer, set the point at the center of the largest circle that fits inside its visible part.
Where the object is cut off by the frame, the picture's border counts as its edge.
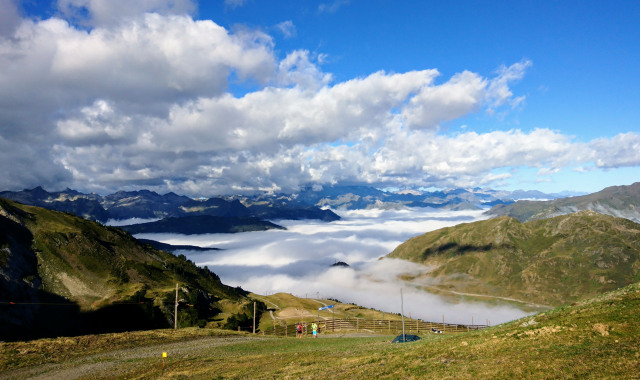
(299, 261)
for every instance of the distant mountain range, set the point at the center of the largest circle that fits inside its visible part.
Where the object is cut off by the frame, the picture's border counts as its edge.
(309, 203)
(147, 204)
(552, 261)
(363, 197)
(619, 201)
(228, 213)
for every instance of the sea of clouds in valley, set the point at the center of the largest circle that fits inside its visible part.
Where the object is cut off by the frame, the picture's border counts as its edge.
(299, 261)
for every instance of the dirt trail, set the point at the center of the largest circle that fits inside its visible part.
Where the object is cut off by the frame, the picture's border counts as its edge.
(437, 289)
(119, 363)
(320, 302)
(266, 301)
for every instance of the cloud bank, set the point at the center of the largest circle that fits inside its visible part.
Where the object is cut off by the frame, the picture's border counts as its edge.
(103, 97)
(299, 261)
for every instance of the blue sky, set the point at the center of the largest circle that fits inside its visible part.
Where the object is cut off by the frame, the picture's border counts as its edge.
(229, 96)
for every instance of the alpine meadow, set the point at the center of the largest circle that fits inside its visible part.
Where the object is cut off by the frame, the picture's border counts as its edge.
(342, 189)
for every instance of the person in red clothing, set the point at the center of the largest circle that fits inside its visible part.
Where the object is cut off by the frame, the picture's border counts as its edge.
(299, 330)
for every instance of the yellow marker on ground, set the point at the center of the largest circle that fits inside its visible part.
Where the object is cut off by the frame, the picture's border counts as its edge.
(164, 355)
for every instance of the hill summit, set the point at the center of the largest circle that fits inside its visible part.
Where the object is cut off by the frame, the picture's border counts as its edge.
(552, 261)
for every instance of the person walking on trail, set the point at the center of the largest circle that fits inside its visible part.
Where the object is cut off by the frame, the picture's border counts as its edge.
(314, 327)
(299, 330)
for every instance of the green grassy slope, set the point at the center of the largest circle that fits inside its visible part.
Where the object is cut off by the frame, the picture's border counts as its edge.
(552, 261)
(597, 338)
(60, 258)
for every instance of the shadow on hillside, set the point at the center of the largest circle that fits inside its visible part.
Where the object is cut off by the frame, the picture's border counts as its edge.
(53, 316)
(29, 313)
(457, 249)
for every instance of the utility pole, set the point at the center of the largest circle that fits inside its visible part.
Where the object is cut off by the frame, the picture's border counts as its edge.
(175, 312)
(404, 339)
(254, 317)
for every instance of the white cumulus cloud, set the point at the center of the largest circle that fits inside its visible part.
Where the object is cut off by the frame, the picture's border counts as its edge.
(144, 100)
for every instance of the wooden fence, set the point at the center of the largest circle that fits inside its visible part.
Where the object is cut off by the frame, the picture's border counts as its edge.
(377, 326)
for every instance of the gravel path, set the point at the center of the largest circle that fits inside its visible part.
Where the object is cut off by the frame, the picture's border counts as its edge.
(118, 363)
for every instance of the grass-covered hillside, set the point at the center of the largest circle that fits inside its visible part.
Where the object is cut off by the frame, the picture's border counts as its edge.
(552, 261)
(598, 338)
(61, 274)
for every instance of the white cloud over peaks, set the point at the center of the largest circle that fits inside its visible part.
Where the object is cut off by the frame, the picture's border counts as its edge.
(297, 69)
(287, 28)
(96, 124)
(145, 102)
(498, 92)
(620, 151)
(63, 88)
(422, 158)
(459, 96)
(464, 93)
(9, 17)
(157, 58)
(50, 68)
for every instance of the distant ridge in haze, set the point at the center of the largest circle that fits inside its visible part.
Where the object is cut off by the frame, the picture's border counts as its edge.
(341, 197)
(619, 201)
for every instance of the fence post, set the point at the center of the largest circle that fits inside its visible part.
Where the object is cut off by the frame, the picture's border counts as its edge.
(175, 313)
